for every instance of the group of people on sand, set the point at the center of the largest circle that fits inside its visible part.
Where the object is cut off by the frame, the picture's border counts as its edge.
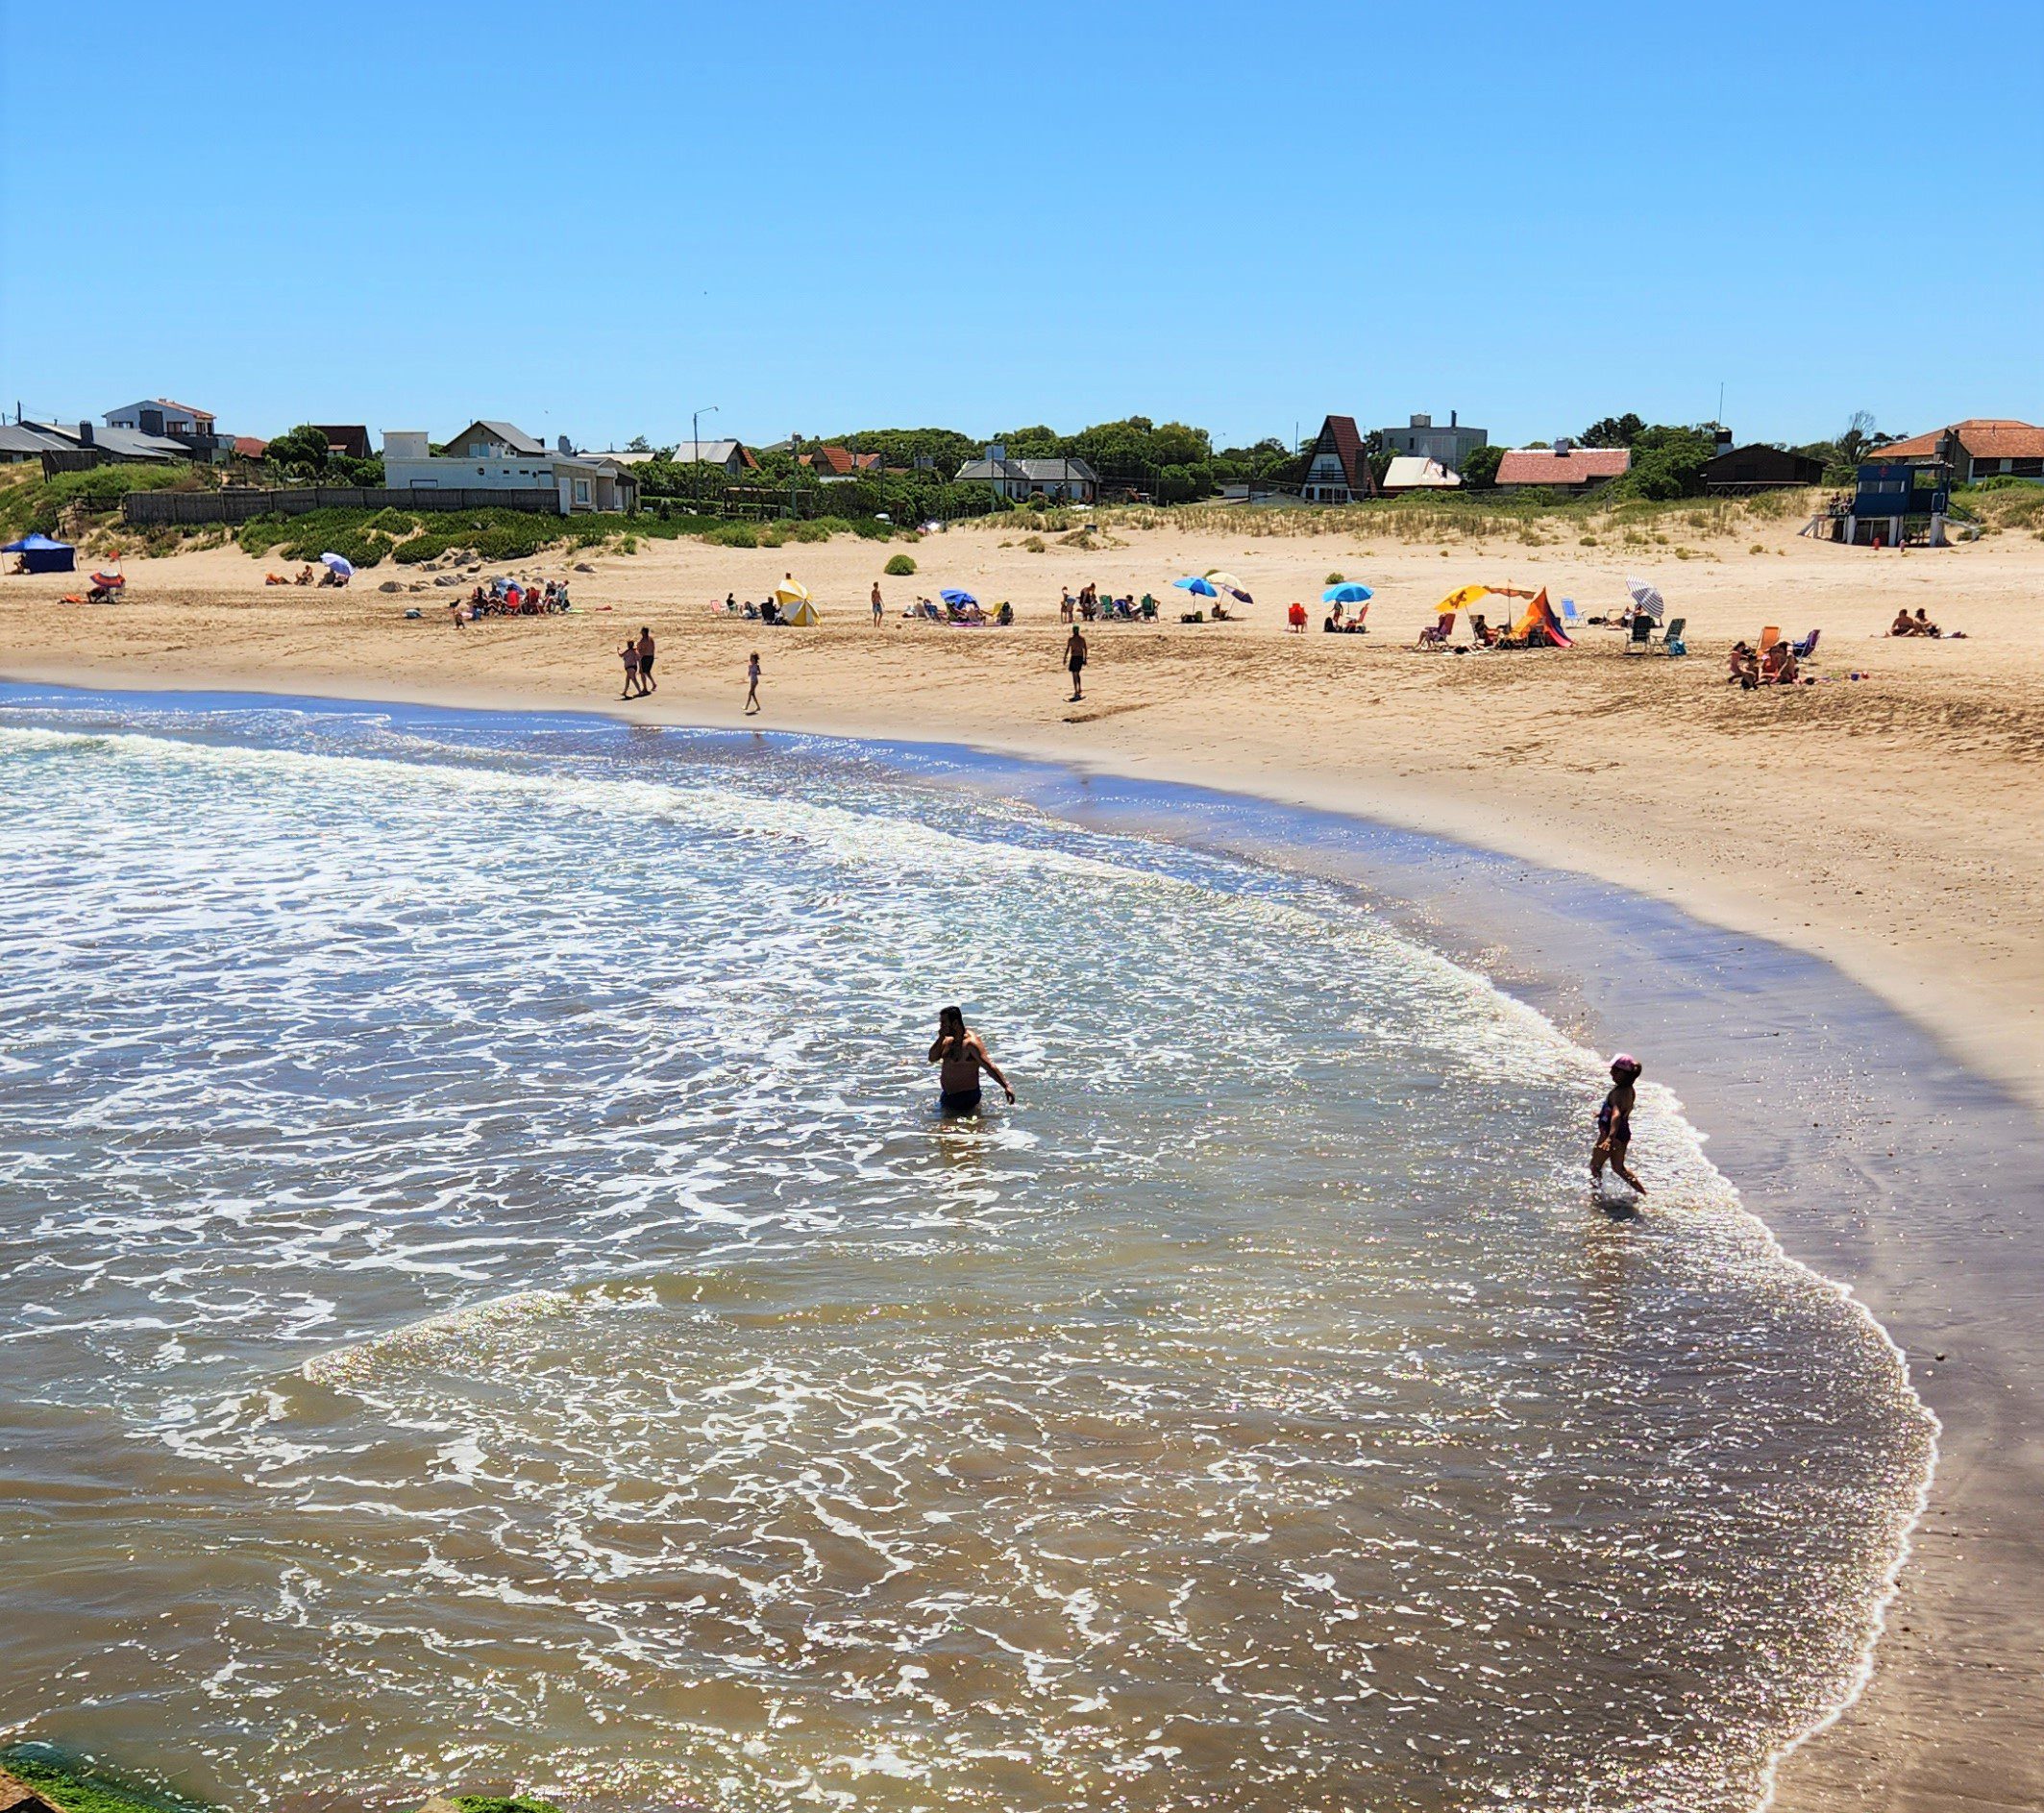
(1088, 606)
(307, 574)
(1918, 626)
(1775, 665)
(637, 656)
(1339, 623)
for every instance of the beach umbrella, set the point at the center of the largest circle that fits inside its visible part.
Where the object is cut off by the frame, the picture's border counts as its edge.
(1231, 585)
(1197, 586)
(791, 592)
(337, 564)
(1647, 599)
(952, 595)
(1349, 594)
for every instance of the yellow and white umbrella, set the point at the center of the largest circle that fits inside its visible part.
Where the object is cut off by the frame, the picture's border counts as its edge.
(1228, 582)
(791, 591)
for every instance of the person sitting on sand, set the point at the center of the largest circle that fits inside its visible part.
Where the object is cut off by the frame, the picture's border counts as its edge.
(306, 576)
(1615, 1124)
(1787, 671)
(1771, 662)
(962, 1054)
(1737, 663)
(1220, 613)
(1924, 626)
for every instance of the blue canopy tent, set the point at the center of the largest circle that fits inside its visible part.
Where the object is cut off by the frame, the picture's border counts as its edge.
(40, 554)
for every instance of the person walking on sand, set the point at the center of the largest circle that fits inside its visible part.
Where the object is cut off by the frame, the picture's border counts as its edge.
(962, 1054)
(1075, 662)
(877, 606)
(1615, 1124)
(751, 684)
(647, 682)
(629, 654)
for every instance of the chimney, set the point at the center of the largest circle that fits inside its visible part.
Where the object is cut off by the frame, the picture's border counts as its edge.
(1421, 421)
(84, 435)
(1561, 446)
(1451, 418)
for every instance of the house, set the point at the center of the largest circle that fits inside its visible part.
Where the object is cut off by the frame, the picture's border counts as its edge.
(1981, 447)
(1412, 471)
(837, 462)
(734, 456)
(249, 446)
(1066, 480)
(161, 416)
(1450, 446)
(1003, 474)
(1337, 468)
(346, 438)
(496, 456)
(1759, 468)
(83, 445)
(1561, 467)
(24, 440)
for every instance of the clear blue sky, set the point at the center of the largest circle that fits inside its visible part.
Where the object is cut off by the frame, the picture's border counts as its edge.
(591, 219)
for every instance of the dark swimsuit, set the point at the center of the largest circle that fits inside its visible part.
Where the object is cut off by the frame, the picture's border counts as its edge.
(1613, 1127)
(959, 1102)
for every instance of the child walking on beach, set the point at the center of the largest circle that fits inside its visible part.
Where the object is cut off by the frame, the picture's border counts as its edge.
(1615, 1124)
(751, 684)
(629, 653)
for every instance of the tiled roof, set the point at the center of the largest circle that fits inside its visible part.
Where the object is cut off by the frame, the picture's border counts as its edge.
(250, 446)
(203, 415)
(838, 461)
(1984, 437)
(1579, 465)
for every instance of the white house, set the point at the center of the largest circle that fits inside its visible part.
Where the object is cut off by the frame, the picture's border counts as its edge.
(496, 456)
(1068, 480)
(161, 416)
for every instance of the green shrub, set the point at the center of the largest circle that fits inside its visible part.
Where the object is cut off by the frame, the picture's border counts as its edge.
(733, 535)
(1333, 578)
(1033, 544)
(899, 566)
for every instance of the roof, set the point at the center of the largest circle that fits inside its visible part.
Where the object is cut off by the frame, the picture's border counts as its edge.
(985, 469)
(712, 452)
(16, 1793)
(506, 435)
(1579, 465)
(250, 446)
(839, 461)
(23, 437)
(1412, 471)
(1983, 436)
(1072, 471)
(134, 444)
(1765, 446)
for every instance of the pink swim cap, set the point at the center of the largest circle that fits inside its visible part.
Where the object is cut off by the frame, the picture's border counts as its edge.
(1625, 1061)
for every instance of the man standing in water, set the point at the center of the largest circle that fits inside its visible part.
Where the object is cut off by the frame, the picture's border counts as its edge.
(962, 1054)
(1615, 1124)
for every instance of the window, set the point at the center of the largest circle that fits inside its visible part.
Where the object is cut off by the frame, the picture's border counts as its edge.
(581, 491)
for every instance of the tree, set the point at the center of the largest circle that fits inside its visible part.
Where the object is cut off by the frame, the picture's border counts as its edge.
(638, 443)
(1614, 431)
(303, 452)
(1479, 471)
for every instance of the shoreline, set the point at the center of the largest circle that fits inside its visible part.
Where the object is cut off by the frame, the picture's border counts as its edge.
(1913, 1706)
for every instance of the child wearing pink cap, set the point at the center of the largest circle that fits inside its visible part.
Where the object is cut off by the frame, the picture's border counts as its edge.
(1614, 1123)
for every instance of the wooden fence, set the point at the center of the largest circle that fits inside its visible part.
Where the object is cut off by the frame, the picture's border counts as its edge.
(237, 505)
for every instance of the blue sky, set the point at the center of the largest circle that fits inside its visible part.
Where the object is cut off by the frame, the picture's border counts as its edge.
(592, 219)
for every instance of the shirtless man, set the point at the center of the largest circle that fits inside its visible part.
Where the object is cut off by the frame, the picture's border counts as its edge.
(1615, 1124)
(962, 1054)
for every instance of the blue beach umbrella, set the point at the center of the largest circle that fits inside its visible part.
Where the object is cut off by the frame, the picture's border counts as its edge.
(952, 595)
(1349, 594)
(1197, 586)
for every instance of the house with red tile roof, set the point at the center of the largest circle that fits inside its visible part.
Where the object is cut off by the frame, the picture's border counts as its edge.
(1573, 470)
(1981, 447)
(1337, 468)
(837, 462)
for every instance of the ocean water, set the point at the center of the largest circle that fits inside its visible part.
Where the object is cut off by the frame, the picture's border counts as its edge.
(484, 1298)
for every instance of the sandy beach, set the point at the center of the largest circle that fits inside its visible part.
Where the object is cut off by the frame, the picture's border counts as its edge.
(1887, 826)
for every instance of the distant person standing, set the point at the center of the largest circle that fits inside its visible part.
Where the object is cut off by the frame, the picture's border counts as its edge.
(647, 682)
(1614, 1123)
(876, 606)
(751, 684)
(962, 1054)
(1075, 662)
(629, 654)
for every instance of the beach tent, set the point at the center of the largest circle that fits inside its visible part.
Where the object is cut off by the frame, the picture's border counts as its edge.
(1539, 614)
(40, 554)
(805, 616)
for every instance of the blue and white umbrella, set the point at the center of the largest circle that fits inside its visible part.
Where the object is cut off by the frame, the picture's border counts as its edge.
(1349, 593)
(336, 563)
(952, 595)
(1197, 586)
(1647, 598)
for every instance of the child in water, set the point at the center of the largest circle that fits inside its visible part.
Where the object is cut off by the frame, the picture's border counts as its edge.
(1614, 1123)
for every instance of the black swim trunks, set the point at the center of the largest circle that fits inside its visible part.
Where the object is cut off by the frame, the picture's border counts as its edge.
(959, 1102)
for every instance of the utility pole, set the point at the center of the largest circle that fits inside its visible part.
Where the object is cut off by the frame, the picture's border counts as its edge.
(695, 442)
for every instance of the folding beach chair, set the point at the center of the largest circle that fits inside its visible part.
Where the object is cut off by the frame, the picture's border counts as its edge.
(1571, 618)
(1672, 642)
(1769, 636)
(1642, 635)
(1436, 636)
(1807, 646)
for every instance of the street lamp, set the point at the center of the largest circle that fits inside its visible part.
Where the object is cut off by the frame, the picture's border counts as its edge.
(695, 437)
